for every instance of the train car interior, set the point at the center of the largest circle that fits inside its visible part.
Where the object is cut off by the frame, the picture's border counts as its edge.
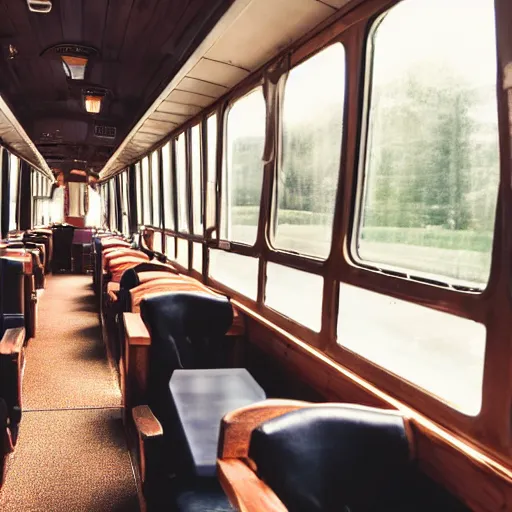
(256, 255)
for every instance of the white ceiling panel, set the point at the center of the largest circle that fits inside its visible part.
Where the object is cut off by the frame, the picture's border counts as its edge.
(202, 87)
(337, 4)
(265, 28)
(190, 98)
(178, 108)
(218, 72)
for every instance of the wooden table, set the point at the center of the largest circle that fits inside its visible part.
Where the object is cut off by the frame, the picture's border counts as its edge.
(202, 398)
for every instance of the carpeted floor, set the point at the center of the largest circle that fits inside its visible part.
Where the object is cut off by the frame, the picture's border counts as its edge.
(71, 453)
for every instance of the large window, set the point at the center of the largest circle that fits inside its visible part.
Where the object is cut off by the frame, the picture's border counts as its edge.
(211, 168)
(307, 179)
(14, 186)
(181, 180)
(168, 190)
(138, 192)
(431, 164)
(243, 168)
(155, 189)
(124, 203)
(146, 192)
(195, 147)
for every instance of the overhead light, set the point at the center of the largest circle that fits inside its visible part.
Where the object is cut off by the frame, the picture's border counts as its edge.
(93, 103)
(39, 6)
(13, 51)
(74, 67)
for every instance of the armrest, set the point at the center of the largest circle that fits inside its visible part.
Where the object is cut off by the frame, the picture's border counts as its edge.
(146, 423)
(12, 341)
(236, 426)
(135, 330)
(245, 490)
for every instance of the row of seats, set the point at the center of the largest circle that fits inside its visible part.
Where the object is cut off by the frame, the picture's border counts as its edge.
(274, 455)
(24, 261)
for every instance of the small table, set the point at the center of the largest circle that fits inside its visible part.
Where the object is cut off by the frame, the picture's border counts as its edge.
(202, 398)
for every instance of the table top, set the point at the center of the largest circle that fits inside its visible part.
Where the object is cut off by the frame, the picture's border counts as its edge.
(202, 398)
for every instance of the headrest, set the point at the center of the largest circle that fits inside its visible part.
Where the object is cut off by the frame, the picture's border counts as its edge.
(131, 279)
(325, 458)
(187, 314)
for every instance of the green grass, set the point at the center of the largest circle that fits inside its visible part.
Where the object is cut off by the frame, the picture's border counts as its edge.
(478, 241)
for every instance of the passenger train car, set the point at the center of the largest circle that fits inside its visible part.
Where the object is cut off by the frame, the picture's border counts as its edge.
(256, 255)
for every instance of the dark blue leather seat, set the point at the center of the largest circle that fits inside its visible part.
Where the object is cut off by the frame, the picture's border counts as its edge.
(343, 458)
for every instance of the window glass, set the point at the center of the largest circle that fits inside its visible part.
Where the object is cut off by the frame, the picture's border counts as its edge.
(295, 294)
(146, 192)
(243, 168)
(311, 147)
(211, 178)
(155, 188)
(181, 181)
(112, 205)
(14, 178)
(124, 203)
(432, 160)
(138, 193)
(157, 242)
(195, 135)
(168, 190)
(170, 247)
(197, 257)
(93, 217)
(442, 353)
(182, 256)
(240, 273)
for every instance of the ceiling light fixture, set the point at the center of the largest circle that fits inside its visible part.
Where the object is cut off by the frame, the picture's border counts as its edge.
(93, 103)
(39, 6)
(74, 67)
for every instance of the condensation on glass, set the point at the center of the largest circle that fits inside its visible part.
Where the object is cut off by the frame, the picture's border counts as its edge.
(243, 168)
(307, 179)
(155, 189)
(295, 294)
(181, 184)
(431, 162)
(168, 188)
(441, 353)
(211, 166)
(146, 192)
(240, 273)
(195, 148)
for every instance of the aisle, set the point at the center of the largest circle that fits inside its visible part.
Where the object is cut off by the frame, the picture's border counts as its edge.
(71, 454)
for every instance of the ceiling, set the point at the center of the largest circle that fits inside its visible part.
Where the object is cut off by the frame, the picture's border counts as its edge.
(141, 44)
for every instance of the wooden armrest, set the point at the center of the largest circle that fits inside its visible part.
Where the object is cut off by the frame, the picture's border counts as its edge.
(236, 426)
(246, 492)
(113, 290)
(146, 423)
(12, 341)
(135, 330)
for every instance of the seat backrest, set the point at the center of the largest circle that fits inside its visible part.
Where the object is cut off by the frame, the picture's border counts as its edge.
(334, 458)
(131, 277)
(12, 294)
(185, 329)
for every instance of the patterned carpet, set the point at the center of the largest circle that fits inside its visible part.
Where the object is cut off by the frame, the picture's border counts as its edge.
(71, 453)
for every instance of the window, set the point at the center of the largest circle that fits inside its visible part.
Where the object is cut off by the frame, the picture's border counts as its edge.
(240, 273)
(307, 179)
(195, 135)
(146, 193)
(170, 247)
(431, 167)
(243, 168)
(182, 256)
(211, 163)
(197, 257)
(181, 180)
(112, 205)
(14, 182)
(155, 189)
(138, 192)
(168, 189)
(439, 352)
(124, 203)
(295, 294)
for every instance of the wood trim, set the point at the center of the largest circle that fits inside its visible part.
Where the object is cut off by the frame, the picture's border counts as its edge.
(246, 492)
(146, 422)
(135, 330)
(12, 341)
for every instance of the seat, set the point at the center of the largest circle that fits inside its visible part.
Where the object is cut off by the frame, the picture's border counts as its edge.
(285, 455)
